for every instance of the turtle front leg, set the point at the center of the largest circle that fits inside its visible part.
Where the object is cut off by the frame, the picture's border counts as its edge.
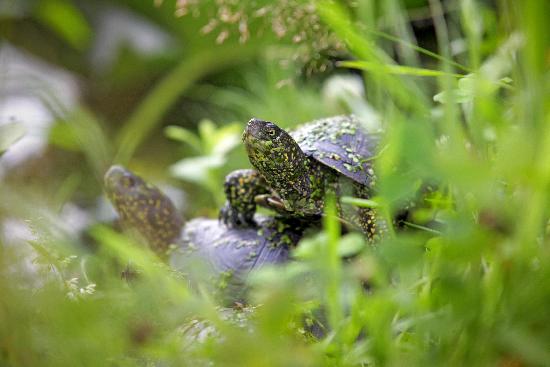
(368, 220)
(241, 187)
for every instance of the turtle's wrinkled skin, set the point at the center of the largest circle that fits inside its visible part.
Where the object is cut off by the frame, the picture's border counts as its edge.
(204, 250)
(295, 171)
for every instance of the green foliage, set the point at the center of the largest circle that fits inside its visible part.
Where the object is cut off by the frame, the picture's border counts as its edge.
(81, 131)
(464, 280)
(393, 69)
(66, 20)
(212, 144)
(190, 69)
(273, 92)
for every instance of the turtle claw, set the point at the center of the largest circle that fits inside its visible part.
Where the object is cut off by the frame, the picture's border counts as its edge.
(271, 202)
(233, 218)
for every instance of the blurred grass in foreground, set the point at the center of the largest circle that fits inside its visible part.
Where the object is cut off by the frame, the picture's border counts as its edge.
(475, 292)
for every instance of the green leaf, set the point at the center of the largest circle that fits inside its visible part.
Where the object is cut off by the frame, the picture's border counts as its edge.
(10, 133)
(422, 228)
(351, 244)
(207, 130)
(62, 135)
(402, 251)
(362, 203)
(454, 95)
(66, 20)
(394, 69)
(185, 136)
(309, 247)
(196, 169)
(211, 140)
(227, 138)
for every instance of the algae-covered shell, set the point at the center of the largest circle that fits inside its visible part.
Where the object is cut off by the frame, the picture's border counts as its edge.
(341, 143)
(227, 255)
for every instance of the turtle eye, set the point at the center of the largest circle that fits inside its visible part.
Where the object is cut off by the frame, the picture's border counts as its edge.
(271, 132)
(128, 181)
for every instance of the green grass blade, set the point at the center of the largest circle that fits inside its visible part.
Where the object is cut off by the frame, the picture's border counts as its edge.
(333, 264)
(395, 69)
(362, 203)
(340, 22)
(149, 113)
(419, 49)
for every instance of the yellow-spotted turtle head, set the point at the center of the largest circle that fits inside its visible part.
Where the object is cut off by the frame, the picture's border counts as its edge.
(143, 207)
(278, 158)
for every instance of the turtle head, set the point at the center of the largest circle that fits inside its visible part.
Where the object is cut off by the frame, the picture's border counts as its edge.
(278, 158)
(143, 207)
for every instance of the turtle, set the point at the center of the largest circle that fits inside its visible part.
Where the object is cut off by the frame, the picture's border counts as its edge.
(294, 171)
(200, 248)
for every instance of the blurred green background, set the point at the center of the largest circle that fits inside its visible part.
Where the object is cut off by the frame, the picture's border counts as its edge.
(459, 88)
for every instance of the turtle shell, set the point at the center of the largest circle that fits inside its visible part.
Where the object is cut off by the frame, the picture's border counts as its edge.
(211, 253)
(341, 143)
